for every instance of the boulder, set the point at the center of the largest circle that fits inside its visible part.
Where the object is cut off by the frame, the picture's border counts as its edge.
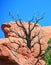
(12, 54)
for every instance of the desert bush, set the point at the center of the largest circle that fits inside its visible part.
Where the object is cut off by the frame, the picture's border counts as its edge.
(47, 56)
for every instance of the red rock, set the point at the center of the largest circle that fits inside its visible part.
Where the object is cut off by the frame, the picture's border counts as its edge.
(23, 56)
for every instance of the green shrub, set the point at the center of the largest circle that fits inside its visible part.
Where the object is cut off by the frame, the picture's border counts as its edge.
(48, 53)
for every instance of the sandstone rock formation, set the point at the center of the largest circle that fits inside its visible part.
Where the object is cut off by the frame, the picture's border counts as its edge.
(9, 55)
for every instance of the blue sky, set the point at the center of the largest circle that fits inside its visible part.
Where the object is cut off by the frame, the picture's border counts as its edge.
(26, 9)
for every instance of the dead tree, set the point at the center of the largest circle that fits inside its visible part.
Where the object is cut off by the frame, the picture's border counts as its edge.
(27, 35)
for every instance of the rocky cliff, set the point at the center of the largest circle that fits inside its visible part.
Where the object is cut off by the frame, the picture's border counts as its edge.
(9, 55)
